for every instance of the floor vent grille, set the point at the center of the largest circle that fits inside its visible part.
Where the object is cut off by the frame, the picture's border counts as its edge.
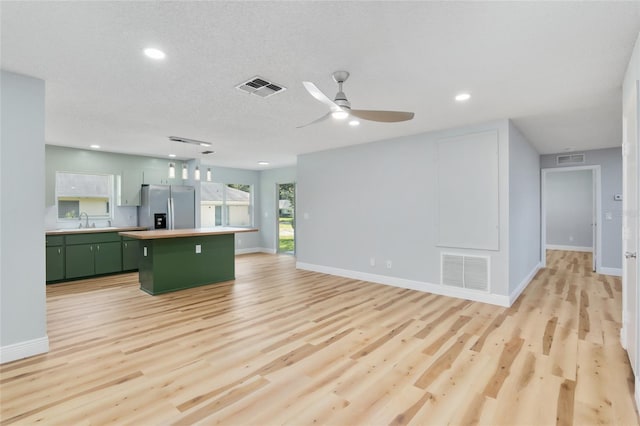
(471, 272)
(260, 86)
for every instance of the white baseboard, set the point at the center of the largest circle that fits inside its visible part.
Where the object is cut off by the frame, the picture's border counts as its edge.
(610, 271)
(569, 248)
(255, 250)
(623, 337)
(523, 284)
(24, 349)
(460, 293)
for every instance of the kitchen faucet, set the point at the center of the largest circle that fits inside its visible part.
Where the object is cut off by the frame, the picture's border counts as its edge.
(86, 217)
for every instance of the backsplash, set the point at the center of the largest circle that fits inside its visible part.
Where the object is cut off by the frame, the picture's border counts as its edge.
(122, 216)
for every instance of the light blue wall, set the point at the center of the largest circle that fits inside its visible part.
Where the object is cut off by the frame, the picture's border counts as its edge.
(22, 254)
(377, 200)
(268, 200)
(524, 208)
(610, 162)
(569, 208)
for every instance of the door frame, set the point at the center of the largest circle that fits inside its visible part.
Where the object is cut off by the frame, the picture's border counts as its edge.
(597, 243)
(277, 217)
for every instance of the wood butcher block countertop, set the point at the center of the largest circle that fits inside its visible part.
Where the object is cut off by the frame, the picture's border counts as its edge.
(93, 230)
(178, 233)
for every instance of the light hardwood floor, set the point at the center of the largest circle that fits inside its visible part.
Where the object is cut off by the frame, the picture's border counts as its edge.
(283, 346)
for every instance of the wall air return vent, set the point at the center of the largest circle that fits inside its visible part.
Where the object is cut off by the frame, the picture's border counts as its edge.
(570, 159)
(470, 272)
(260, 87)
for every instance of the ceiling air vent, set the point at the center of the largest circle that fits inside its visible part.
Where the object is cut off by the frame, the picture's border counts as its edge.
(261, 87)
(570, 159)
(208, 152)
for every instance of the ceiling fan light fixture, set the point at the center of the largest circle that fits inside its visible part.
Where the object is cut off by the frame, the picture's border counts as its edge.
(156, 54)
(340, 115)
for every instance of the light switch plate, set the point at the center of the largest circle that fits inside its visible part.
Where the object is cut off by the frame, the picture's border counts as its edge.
(198, 248)
(144, 251)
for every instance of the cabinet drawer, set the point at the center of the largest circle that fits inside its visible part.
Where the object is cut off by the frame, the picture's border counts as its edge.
(54, 240)
(99, 237)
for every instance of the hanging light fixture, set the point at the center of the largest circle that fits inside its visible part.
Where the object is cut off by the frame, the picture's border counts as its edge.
(208, 174)
(185, 173)
(172, 171)
(196, 173)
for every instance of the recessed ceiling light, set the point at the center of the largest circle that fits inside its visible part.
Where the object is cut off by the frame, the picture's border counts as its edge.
(172, 155)
(154, 53)
(339, 115)
(263, 163)
(354, 123)
(94, 146)
(461, 97)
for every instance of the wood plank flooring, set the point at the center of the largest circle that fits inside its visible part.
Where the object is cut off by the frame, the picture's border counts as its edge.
(283, 346)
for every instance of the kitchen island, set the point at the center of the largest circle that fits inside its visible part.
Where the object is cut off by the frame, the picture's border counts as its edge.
(177, 259)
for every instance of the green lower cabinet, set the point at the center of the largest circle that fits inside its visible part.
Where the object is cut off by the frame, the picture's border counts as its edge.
(79, 261)
(84, 260)
(107, 257)
(130, 254)
(55, 263)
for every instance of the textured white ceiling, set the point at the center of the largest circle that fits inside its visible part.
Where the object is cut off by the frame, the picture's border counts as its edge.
(555, 68)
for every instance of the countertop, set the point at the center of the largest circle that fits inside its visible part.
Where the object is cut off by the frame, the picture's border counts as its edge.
(178, 233)
(93, 230)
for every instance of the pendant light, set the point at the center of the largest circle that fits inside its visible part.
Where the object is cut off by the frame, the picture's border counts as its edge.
(172, 171)
(208, 174)
(196, 173)
(185, 172)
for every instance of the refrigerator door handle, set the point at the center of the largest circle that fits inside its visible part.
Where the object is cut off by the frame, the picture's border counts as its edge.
(173, 214)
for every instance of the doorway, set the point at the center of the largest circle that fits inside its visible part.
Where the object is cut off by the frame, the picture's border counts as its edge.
(286, 217)
(571, 211)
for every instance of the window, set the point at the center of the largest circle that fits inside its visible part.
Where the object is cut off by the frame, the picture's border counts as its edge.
(79, 193)
(226, 204)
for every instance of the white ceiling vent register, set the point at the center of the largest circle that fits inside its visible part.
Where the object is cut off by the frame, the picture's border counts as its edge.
(570, 159)
(460, 271)
(261, 87)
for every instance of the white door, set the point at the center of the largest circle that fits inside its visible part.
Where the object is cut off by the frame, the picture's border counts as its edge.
(630, 226)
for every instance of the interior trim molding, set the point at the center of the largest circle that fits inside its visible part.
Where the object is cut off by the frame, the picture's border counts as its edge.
(637, 392)
(610, 271)
(255, 250)
(425, 287)
(24, 349)
(623, 337)
(524, 283)
(569, 248)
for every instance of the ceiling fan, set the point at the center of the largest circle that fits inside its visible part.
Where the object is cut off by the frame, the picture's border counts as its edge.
(340, 107)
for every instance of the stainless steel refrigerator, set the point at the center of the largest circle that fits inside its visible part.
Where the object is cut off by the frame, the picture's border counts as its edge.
(167, 207)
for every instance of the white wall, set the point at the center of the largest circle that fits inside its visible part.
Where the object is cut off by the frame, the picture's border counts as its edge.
(569, 209)
(23, 327)
(377, 200)
(524, 211)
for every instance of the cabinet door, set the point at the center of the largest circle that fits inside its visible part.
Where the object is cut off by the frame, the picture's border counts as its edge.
(55, 263)
(79, 261)
(108, 257)
(130, 255)
(129, 184)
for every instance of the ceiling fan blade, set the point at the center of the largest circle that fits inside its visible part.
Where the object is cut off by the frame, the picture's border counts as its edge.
(324, 117)
(316, 93)
(383, 116)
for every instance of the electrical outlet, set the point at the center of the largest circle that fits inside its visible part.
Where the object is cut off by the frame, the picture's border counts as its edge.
(372, 261)
(570, 237)
(389, 264)
(239, 241)
(198, 248)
